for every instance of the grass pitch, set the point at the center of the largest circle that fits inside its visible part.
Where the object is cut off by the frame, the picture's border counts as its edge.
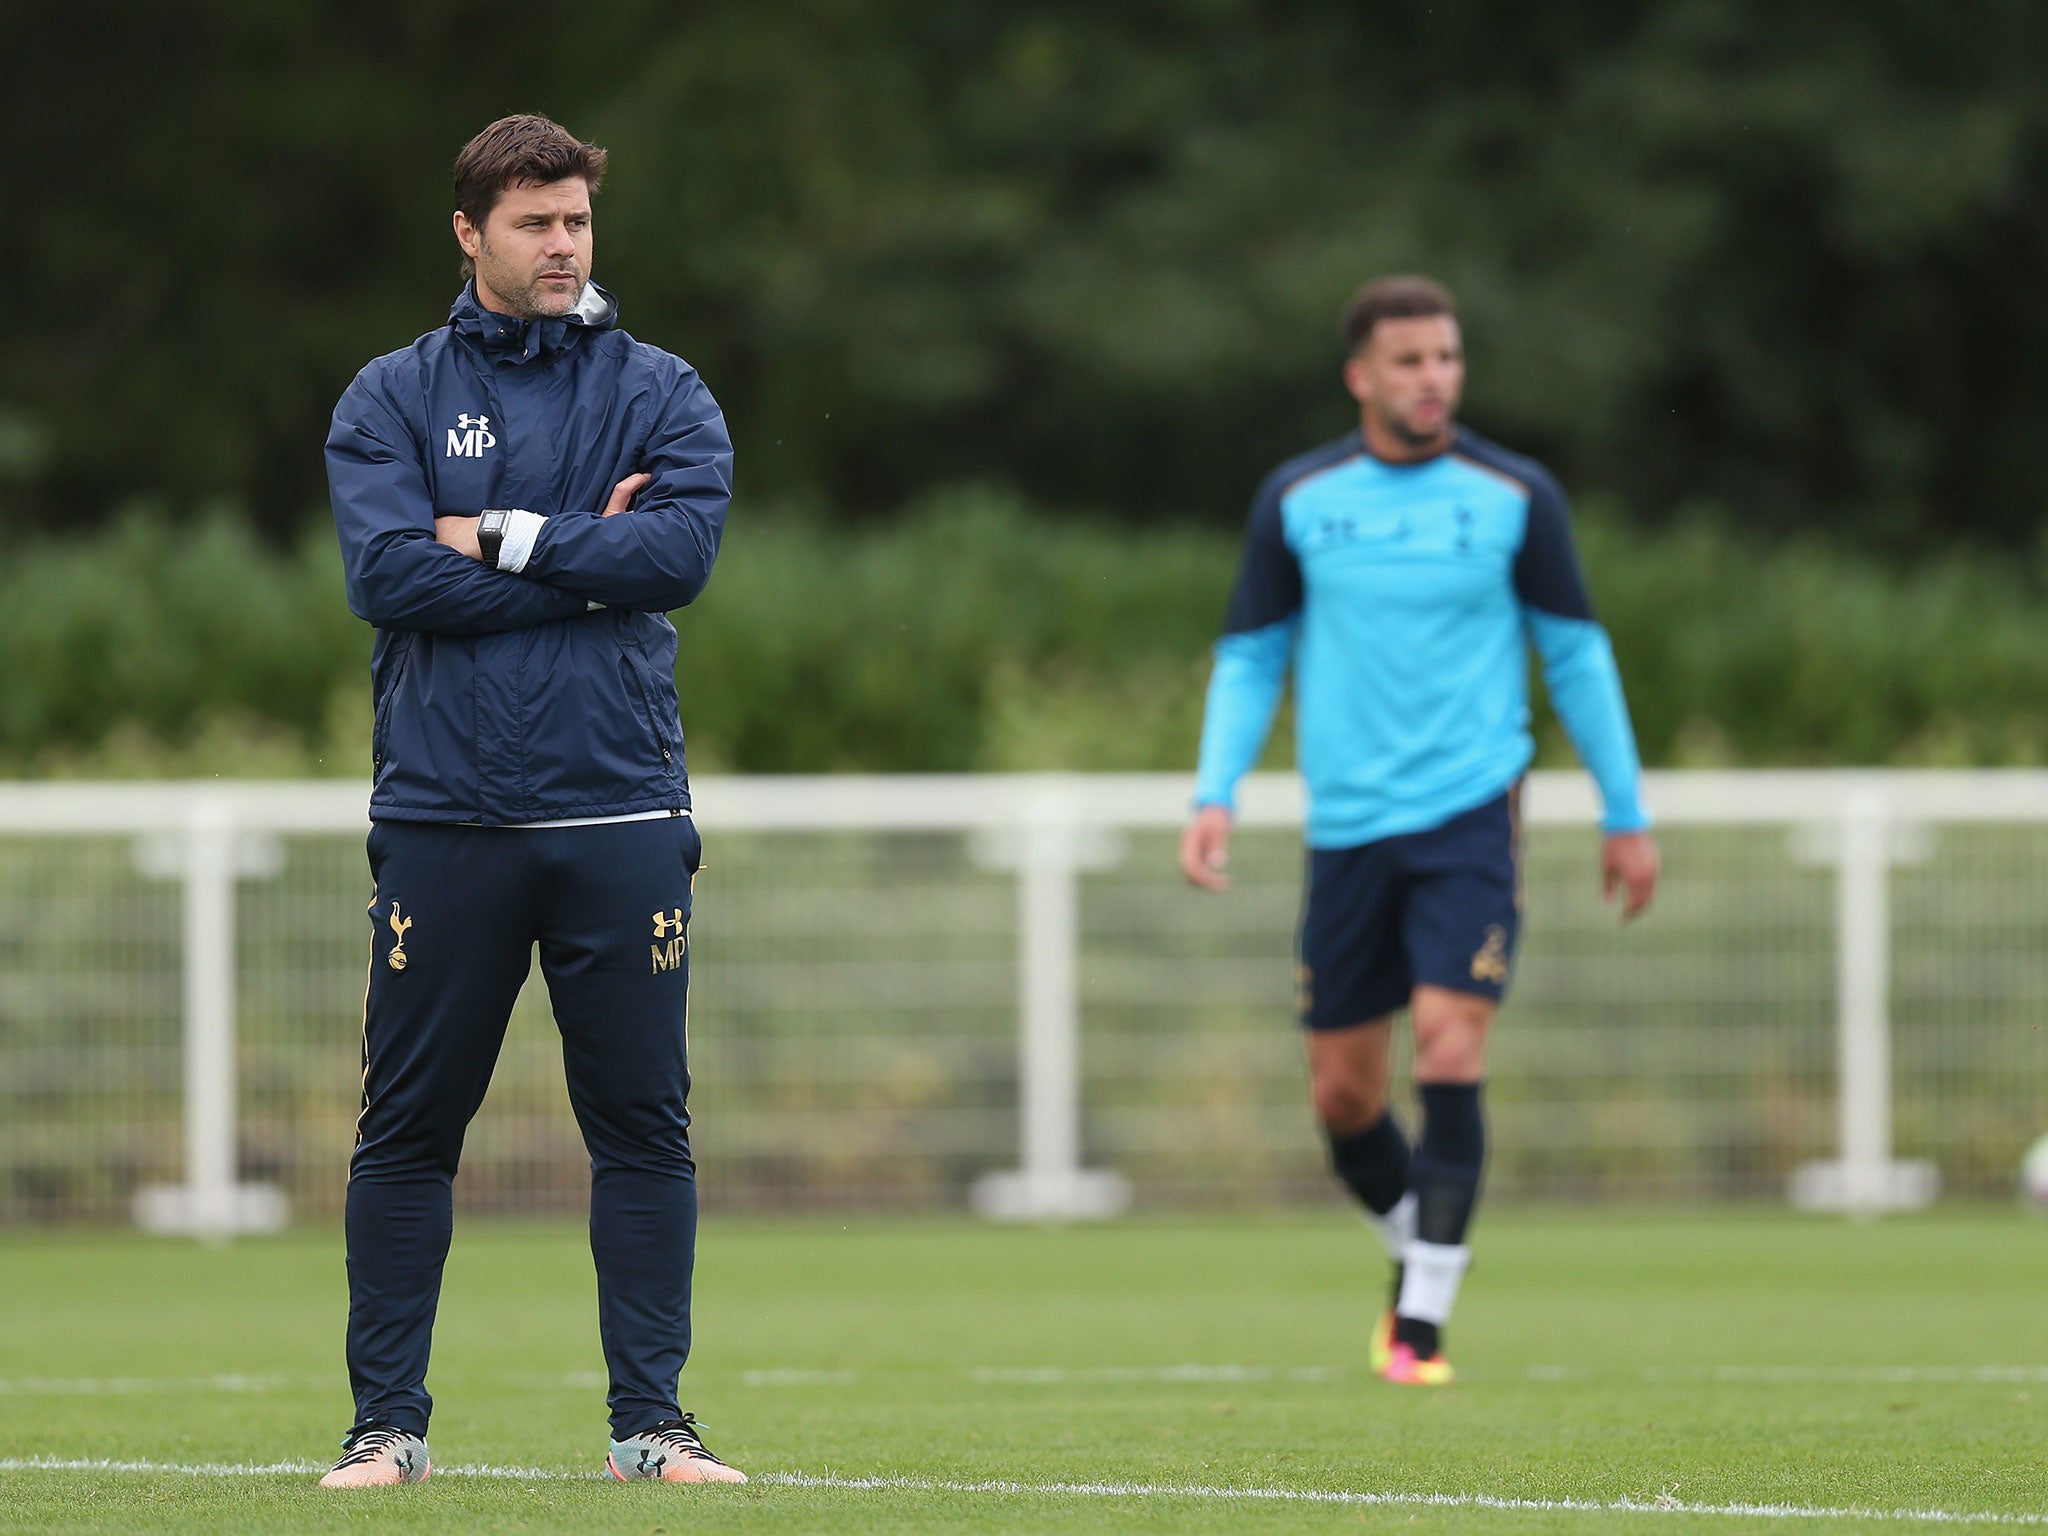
(1617, 1374)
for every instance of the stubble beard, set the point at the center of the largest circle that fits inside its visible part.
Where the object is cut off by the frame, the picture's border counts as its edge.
(527, 300)
(1409, 435)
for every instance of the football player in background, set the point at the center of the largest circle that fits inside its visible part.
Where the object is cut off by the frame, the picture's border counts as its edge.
(1402, 572)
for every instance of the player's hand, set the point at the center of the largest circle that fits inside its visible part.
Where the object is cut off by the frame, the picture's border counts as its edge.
(1629, 862)
(1205, 849)
(459, 534)
(623, 494)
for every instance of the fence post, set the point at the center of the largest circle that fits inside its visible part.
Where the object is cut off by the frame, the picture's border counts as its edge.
(211, 1203)
(1864, 1180)
(1048, 848)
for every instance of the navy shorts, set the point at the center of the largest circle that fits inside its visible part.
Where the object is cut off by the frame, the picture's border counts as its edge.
(1438, 908)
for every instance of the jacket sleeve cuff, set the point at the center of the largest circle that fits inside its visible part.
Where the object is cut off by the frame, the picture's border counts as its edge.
(521, 529)
(1625, 814)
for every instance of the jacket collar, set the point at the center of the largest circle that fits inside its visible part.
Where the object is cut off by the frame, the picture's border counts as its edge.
(522, 340)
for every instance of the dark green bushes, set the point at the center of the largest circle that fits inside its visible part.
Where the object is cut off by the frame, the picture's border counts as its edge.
(977, 632)
(1805, 655)
(194, 649)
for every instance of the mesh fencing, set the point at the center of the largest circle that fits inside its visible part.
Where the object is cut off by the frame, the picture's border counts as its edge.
(854, 1026)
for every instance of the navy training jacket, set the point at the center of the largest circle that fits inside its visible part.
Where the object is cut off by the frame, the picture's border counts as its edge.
(551, 693)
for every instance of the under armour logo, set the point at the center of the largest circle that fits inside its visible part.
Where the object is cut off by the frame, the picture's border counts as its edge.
(668, 926)
(470, 436)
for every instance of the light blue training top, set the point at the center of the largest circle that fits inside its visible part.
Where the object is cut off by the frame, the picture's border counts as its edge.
(1402, 594)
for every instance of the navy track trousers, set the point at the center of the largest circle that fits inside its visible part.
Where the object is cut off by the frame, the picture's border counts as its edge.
(457, 913)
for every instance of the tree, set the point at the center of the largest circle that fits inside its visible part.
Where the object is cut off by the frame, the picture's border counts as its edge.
(1782, 260)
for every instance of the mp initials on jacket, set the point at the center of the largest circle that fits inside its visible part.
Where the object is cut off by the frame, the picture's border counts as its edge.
(544, 689)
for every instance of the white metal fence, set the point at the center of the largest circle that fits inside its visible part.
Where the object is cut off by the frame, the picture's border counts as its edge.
(926, 991)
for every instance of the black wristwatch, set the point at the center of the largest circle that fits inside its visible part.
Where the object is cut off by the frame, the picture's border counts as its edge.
(490, 535)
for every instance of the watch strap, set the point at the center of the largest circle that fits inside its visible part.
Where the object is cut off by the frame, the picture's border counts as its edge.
(490, 535)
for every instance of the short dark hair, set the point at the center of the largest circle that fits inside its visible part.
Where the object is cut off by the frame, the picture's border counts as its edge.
(525, 147)
(1406, 297)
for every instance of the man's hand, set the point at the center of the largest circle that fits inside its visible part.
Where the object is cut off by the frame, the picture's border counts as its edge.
(623, 494)
(459, 534)
(1205, 848)
(1628, 863)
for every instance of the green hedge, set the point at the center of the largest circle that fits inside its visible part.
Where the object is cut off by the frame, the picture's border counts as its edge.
(978, 632)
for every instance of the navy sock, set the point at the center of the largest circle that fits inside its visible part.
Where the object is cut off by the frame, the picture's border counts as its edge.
(1426, 1339)
(1373, 1163)
(1447, 1164)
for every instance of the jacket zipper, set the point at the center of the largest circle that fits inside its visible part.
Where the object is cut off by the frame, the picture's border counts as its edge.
(647, 709)
(380, 731)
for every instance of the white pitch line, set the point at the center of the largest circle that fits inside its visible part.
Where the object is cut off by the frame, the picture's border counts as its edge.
(176, 1468)
(264, 1469)
(1199, 1492)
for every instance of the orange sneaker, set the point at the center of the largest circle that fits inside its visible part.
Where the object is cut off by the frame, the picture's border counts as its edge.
(379, 1456)
(1381, 1351)
(670, 1452)
(1406, 1368)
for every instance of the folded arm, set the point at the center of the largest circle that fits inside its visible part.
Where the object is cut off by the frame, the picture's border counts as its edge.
(398, 576)
(660, 557)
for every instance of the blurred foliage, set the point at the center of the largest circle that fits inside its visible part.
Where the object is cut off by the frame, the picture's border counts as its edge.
(1781, 258)
(975, 631)
(153, 649)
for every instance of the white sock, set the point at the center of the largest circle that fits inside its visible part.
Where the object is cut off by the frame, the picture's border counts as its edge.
(1397, 1227)
(1429, 1279)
